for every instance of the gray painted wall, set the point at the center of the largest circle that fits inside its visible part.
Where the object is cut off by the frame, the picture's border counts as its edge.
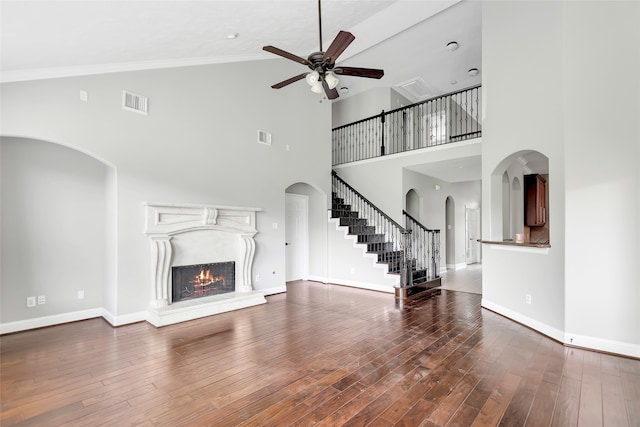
(464, 194)
(584, 288)
(48, 190)
(199, 137)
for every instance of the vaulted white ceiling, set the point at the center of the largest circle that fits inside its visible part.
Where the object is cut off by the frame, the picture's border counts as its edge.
(406, 38)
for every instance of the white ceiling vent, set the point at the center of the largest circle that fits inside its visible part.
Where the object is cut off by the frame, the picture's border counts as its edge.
(134, 102)
(264, 137)
(415, 89)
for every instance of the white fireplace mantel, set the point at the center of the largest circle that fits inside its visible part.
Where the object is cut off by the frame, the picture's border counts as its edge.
(193, 234)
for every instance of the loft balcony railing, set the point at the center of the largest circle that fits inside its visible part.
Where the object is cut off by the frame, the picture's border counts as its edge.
(448, 118)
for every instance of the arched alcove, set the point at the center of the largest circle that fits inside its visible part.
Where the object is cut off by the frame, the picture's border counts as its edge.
(506, 205)
(58, 230)
(516, 217)
(512, 182)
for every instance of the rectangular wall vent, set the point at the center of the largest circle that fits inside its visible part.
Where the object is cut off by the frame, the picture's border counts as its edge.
(264, 137)
(134, 102)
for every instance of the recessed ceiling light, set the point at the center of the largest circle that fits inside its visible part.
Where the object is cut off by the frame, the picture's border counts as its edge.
(232, 36)
(451, 46)
(344, 90)
(473, 71)
(454, 82)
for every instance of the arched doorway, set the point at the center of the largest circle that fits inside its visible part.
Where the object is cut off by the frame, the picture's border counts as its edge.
(412, 204)
(305, 232)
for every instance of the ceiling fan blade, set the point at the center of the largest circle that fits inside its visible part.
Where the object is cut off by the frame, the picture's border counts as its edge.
(359, 72)
(289, 81)
(287, 55)
(331, 93)
(339, 44)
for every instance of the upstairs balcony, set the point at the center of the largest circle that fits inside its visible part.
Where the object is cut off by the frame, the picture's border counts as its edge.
(442, 120)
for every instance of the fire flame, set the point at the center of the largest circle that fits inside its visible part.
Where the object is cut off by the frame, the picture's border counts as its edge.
(206, 278)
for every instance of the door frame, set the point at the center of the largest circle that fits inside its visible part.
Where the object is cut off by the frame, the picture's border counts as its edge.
(303, 239)
(476, 244)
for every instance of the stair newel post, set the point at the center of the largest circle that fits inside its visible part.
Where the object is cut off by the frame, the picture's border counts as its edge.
(434, 271)
(406, 276)
(382, 120)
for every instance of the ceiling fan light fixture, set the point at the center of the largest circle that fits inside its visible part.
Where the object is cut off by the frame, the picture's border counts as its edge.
(316, 87)
(313, 78)
(331, 80)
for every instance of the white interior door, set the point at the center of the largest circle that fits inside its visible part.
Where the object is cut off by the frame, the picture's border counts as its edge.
(296, 232)
(473, 234)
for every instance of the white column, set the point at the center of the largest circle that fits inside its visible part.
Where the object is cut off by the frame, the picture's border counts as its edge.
(248, 248)
(161, 267)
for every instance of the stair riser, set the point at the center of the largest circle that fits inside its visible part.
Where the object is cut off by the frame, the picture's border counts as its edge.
(341, 206)
(352, 221)
(371, 238)
(338, 213)
(390, 257)
(379, 247)
(362, 229)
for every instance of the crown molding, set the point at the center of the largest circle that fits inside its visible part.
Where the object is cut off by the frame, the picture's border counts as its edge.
(10, 76)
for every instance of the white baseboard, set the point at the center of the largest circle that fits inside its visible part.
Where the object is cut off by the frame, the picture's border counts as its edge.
(320, 279)
(575, 340)
(458, 266)
(274, 290)
(362, 285)
(56, 319)
(125, 319)
(601, 344)
(352, 283)
(543, 328)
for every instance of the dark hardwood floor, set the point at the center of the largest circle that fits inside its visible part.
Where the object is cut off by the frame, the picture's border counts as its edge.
(320, 354)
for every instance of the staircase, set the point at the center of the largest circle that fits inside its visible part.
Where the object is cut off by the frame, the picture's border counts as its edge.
(382, 236)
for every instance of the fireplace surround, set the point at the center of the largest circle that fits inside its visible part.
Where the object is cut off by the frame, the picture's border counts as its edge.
(186, 234)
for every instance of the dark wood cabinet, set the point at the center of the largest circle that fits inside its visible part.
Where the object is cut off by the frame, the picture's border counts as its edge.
(535, 188)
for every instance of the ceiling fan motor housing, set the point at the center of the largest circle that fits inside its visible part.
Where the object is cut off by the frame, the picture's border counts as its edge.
(317, 64)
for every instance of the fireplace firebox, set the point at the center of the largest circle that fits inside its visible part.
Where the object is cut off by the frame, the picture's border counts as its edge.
(201, 280)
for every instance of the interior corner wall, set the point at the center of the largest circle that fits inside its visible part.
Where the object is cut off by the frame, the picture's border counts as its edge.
(198, 144)
(53, 220)
(522, 79)
(360, 106)
(602, 145)
(465, 194)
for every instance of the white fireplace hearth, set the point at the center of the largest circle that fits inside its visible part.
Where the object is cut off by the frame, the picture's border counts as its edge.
(198, 234)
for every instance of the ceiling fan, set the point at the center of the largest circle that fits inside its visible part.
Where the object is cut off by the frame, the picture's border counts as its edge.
(323, 64)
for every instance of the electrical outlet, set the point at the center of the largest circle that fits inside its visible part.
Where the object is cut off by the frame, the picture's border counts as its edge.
(41, 299)
(527, 298)
(257, 278)
(81, 294)
(31, 302)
